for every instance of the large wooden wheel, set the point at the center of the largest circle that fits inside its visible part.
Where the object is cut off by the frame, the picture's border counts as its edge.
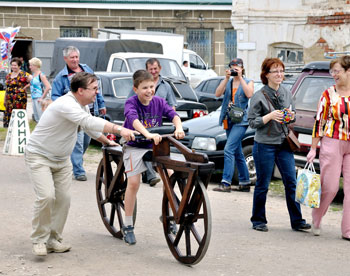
(111, 206)
(191, 242)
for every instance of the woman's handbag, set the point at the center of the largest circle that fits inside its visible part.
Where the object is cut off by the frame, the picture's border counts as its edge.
(235, 113)
(308, 190)
(292, 140)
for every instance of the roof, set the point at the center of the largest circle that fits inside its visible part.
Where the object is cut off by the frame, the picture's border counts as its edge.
(125, 4)
(168, 2)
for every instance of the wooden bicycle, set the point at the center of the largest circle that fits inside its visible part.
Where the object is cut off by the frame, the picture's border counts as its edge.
(185, 201)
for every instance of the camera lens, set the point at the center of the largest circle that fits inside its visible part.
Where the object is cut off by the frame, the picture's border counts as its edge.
(234, 73)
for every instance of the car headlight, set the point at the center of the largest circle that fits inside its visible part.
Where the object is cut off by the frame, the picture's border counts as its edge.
(204, 143)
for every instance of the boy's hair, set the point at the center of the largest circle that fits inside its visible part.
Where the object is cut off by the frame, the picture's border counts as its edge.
(140, 76)
(81, 80)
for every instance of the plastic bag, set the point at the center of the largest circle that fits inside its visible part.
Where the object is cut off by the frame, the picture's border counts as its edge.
(308, 190)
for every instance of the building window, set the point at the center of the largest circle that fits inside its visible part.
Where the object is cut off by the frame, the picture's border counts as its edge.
(199, 40)
(230, 45)
(289, 53)
(75, 32)
(164, 30)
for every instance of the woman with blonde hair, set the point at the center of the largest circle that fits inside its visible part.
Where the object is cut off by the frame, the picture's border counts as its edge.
(39, 87)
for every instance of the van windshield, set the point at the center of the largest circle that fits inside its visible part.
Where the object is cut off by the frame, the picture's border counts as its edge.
(170, 68)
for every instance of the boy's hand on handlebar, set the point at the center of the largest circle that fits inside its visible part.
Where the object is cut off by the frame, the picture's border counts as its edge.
(155, 137)
(128, 134)
(179, 134)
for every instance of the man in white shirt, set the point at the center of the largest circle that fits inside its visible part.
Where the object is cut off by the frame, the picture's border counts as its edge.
(48, 159)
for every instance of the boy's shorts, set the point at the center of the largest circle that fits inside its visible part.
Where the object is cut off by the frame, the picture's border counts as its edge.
(133, 162)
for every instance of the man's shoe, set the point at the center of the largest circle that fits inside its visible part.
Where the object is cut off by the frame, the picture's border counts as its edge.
(39, 249)
(57, 246)
(302, 227)
(128, 235)
(81, 178)
(153, 181)
(316, 231)
(241, 188)
(261, 227)
(222, 188)
(345, 238)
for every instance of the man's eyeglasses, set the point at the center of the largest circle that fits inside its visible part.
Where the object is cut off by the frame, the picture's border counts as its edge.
(92, 89)
(276, 72)
(335, 72)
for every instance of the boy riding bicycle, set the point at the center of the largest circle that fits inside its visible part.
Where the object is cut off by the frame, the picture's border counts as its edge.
(142, 111)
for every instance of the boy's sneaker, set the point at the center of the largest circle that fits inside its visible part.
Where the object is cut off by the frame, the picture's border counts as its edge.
(128, 235)
(39, 249)
(172, 227)
(57, 246)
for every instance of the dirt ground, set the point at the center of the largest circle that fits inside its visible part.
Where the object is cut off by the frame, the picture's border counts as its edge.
(235, 249)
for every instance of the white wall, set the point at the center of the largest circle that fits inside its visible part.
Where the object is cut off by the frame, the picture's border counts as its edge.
(260, 23)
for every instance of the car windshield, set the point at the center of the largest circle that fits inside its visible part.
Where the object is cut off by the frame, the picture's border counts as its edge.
(310, 92)
(122, 87)
(170, 68)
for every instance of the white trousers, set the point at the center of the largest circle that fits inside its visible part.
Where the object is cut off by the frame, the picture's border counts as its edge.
(51, 181)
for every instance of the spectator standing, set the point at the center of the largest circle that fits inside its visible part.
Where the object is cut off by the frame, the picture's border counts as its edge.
(60, 86)
(270, 147)
(39, 87)
(332, 129)
(237, 90)
(17, 82)
(47, 159)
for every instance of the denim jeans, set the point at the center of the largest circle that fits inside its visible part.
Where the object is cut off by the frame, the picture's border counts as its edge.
(37, 112)
(233, 153)
(77, 155)
(87, 140)
(265, 157)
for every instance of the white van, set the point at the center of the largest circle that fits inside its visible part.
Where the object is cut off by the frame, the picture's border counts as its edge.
(198, 70)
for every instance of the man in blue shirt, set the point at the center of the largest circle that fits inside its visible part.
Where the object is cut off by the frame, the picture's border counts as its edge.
(60, 86)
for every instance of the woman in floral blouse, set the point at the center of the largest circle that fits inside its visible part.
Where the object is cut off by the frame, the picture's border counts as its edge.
(16, 84)
(332, 130)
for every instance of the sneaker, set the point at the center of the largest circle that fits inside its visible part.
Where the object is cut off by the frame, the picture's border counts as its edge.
(173, 226)
(81, 178)
(316, 231)
(153, 181)
(128, 235)
(241, 188)
(57, 246)
(39, 249)
(261, 227)
(223, 188)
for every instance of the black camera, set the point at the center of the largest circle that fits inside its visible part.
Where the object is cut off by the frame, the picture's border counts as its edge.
(233, 73)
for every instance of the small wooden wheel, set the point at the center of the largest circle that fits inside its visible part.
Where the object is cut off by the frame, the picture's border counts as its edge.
(112, 208)
(191, 242)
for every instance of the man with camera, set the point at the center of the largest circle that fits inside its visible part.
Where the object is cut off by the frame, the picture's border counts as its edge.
(237, 90)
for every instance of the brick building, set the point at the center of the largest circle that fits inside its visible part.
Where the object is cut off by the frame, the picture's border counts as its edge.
(295, 31)
(206, 25)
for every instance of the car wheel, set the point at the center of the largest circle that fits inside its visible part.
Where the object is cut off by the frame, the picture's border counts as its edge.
(248, 155)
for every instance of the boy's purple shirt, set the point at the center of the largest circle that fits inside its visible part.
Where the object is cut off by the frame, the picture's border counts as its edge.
(149, 116)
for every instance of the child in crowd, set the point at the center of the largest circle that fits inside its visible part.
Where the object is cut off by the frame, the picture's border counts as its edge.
(142, 111)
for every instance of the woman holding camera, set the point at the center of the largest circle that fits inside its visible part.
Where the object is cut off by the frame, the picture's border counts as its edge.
(270, 146)
(237, 90)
